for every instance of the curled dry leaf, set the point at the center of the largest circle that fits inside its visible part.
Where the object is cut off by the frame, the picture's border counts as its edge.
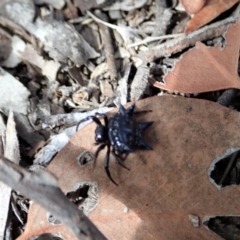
(205, 69)
(164, 186)
(210, 11)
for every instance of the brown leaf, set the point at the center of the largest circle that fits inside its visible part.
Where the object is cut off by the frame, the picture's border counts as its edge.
(210, 11)
(165, 186)
(193, 6)
(205, 69)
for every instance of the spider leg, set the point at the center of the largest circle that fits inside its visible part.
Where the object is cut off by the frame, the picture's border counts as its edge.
(96, 143)
(104, 116)
(93, 118)
(106, 165)
(100, 148)
(118, 159)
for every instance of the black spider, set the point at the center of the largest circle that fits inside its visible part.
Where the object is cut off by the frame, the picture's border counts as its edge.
(122, 133)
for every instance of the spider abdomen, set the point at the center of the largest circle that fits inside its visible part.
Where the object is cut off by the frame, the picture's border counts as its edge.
(121, 134)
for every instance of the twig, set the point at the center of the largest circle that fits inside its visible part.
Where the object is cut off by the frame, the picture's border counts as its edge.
(42, 188)
(16, 29)
(121, 94)
(162, 20)
(107, 42)
(151, 39)
(115, 27)
(160, 25)
(176, 45)
(128, 34)
(140, 83)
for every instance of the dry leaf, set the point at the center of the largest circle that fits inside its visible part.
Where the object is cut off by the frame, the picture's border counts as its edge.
(205, 69)
(210, 11)
(164, 186)
(193, 6)
(14, 95)
(49, 68)
(14, 58)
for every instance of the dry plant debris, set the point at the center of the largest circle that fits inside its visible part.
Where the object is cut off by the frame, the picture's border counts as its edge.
(204, 69)
(9, 149)
(164, 186)
(61, 61)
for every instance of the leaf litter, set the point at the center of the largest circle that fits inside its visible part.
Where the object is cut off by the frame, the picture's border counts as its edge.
(65, 63)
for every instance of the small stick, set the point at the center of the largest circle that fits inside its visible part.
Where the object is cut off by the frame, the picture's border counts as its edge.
(107, 42)
(176, 45)
(151, 39)
(162, 20)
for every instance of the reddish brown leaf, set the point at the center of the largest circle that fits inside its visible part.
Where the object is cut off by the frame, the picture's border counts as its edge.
(165, 185)
(205, 69)
(210, 11)
(193, 6)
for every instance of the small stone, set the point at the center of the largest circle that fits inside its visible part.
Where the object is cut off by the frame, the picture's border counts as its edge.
(194, 220)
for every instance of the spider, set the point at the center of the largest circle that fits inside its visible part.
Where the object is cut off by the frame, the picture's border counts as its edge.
(121, 134)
